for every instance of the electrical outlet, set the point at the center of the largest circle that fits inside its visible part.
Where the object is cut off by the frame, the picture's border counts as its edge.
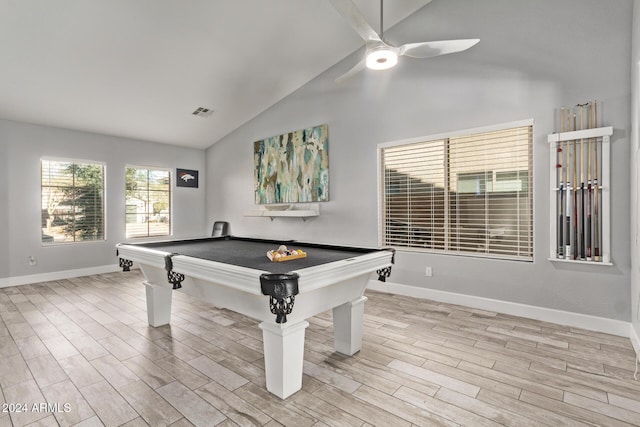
(428, 272)
(33, 260)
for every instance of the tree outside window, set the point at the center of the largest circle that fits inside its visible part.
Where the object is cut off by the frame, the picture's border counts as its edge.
(72, 201)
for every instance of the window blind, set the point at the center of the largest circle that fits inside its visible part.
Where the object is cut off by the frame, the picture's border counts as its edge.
(72, 196)
(469, 194)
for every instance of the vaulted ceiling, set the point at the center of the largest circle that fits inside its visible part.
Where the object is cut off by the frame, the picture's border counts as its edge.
(139, 69)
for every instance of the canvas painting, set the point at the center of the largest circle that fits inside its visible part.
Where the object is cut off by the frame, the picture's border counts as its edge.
(292, 167)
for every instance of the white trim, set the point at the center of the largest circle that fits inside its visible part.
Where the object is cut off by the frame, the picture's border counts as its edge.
(56, 275)
(577, 320)
(458, 133)
(148, 167)
(71, 160)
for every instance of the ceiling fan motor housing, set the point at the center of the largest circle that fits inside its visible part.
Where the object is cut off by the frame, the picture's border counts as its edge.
(381, 57)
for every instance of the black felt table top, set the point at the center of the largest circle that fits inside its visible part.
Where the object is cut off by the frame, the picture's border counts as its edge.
(252, 253)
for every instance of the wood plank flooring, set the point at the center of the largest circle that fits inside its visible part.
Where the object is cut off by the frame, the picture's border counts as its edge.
(81, 351)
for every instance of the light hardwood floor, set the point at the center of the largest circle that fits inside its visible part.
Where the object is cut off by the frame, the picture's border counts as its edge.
(85, 343)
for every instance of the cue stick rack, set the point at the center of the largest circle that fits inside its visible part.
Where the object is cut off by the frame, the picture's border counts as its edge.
(580, 199)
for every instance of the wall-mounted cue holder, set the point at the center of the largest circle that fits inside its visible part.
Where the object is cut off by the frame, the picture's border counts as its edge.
(579, 168)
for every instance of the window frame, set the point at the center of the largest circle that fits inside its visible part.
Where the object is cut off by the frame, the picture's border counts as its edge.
(446, 136)
(171, 193)
(76, 161)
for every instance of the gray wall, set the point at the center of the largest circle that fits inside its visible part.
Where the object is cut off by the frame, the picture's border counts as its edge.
(23, 146)
(534, 56)
(635, 168)
(4, 213)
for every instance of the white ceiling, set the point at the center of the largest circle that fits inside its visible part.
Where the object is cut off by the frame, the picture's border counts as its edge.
(138, 69)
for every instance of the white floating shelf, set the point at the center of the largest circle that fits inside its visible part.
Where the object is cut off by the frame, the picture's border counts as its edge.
(580, 134)
(290, 213)
(580, 261)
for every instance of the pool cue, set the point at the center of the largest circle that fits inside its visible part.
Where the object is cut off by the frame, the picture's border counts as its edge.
(589, 189)
(574, 242)
(596, 190)
(582, 188)
(567, 237)
(560, 198)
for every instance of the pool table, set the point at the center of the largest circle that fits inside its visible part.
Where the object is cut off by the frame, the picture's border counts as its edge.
(235, 273)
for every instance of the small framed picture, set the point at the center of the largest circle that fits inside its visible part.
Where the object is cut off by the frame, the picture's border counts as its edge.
(186, 178)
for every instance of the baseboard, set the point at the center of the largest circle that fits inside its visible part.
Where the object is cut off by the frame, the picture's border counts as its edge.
(57, 275)
(583, 321)
(577, 320)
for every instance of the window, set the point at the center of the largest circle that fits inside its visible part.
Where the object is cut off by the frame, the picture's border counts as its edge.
(72, 201)
(148, 202)
(468, 194)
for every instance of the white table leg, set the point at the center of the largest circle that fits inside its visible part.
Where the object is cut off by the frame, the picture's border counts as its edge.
(283, 356)
(158, 304)
(347, 326)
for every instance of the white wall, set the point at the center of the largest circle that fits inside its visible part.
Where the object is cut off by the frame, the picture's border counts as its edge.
(534, 56)
(22, 147)
(635, 175)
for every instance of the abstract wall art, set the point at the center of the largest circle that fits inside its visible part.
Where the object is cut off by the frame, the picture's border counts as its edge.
(292, 167)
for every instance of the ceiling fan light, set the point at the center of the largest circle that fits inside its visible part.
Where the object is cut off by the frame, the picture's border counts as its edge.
(381, 59)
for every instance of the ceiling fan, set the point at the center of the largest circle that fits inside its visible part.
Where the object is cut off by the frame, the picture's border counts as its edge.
(379, 55)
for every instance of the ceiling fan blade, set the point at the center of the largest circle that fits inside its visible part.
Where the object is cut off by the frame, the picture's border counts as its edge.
(355, 70)
(350, 12)
(429, 49)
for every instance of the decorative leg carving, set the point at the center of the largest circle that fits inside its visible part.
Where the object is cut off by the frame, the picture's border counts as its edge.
(125, 264)
(281, 307)
(175, 279)
(383, 273)
(282, 289)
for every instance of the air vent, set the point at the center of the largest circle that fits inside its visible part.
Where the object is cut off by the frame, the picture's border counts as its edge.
(203, 112)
